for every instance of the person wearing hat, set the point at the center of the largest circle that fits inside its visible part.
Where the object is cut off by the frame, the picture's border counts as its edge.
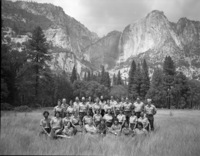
(82, 108)
(138, 107)
(150, 111)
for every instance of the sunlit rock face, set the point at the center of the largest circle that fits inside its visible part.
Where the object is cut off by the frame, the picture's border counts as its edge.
(154, 38)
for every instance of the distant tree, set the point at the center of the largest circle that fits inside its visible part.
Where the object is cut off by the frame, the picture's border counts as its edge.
(38, 55)
(85, 76)
(88, 76)
(114, 80)
(73, 75)
(156, 91)
(107, 82)
(119, 79)
(131, 76)
(118, 91)
(145, 85)
(168, 66)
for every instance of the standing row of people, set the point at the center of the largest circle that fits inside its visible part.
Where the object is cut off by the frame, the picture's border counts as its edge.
(115, 116)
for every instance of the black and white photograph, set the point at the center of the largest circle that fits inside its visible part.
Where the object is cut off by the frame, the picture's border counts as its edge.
(100, 77)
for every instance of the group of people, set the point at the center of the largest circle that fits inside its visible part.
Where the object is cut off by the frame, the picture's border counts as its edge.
(116, 117)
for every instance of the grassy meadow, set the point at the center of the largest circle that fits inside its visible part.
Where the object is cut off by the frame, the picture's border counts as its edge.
(177, 133)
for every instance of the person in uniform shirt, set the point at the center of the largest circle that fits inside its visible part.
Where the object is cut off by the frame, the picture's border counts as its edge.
(82, 108)
(150, 111)
(90, 128)
(138, 107)
(56, 124)
(127, 109)
(66, 119)
(75, 118)
(112, 101)
(102, 104)
(140, 131)
(64, 106)
(108, 118)
(45, 124)
(76, 104)
(87, 118)
(108, 106)
(133, 121)
(97, 118)
(102, 128)
(115, 128)
(90, 105)
(79, 129)
(117, 107)
(143, 119)
(96, 106)
(121, 117)
(126, 131)
(70, 108)
(58, 108)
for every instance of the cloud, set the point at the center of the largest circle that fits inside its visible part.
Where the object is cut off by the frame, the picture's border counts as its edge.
(103, 16)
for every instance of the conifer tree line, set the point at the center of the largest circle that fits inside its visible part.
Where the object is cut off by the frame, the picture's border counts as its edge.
(27, 80)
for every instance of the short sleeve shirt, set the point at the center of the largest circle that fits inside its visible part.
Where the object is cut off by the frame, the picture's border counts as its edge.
(82, 107)
(97, 118)
(87, 119)
(133, 119)
(150, 109)
(108, 118)
(121, 117)
(138, 106)
(127, 106)
(56, 122)
(45, 123)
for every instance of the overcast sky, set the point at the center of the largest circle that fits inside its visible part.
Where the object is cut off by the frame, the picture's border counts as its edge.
(103, 16)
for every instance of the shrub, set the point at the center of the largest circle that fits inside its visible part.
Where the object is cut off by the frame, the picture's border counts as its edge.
(6, 106)
(23, 108)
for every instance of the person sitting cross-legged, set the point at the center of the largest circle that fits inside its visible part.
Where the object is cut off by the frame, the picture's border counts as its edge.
(45, 124)
(140, 131)
(115, 128)
(56, 125)
(90, 128)
(68, 130)
(126, 131)
(102, 128)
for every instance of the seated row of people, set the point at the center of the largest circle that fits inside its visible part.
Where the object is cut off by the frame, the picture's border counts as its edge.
(72, 124)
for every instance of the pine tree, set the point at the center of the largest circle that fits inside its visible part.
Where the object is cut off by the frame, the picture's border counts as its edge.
(74, 75)
(38, 54)
(145, 79)
(131, 76)
(88, 76)
(119, 79)
(85, 77)
(168, 66)
(107, 80)
(103, 76)
(114, 80)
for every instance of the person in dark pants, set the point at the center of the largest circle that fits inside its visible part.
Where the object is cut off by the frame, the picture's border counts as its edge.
(150, 111)
(138, 107)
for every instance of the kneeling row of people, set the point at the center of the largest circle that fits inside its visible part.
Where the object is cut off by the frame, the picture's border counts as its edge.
(71, 124)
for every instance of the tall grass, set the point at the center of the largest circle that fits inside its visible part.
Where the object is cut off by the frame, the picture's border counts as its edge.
(177, 135)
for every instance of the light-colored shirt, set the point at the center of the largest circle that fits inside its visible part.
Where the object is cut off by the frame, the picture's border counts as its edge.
(106, 107)
(64, 107)
(90, 129)
(133, 119)
(150, 110)
(56, 122)
(66, 120)
(113, 102)
(121, 117)
(97, 117)
(76, 106)
(96, 107)
(89, 105)
(58, 109)
(70, 109)
(138, 106)
(87, 119)
(144, 121)
(118, 106)
(108, 118)
(74, 119)
(82, 107)
(102, 104)
(45, 123)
